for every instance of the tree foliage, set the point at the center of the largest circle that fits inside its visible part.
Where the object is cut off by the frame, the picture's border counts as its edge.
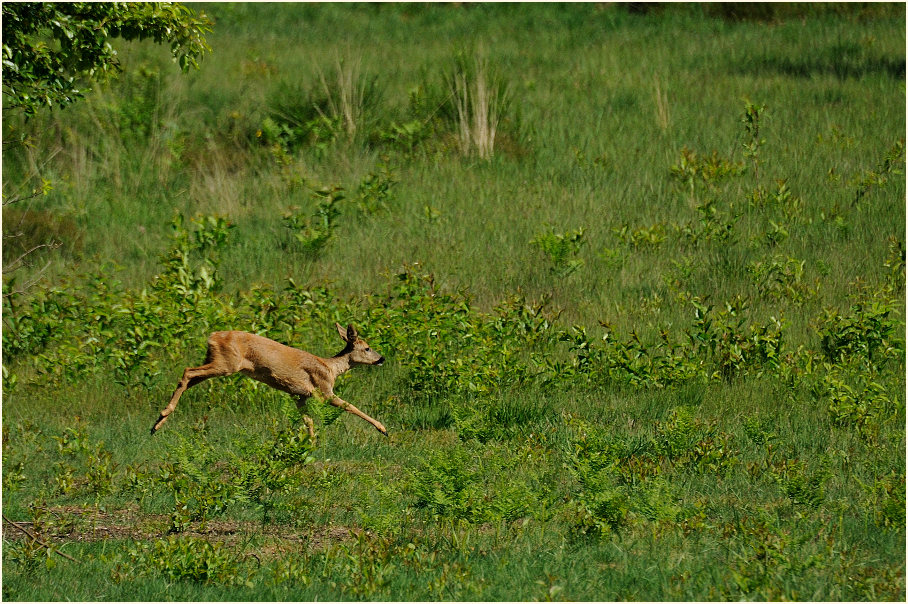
(53, 51)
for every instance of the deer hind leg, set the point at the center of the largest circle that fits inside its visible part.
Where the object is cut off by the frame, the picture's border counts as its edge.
(302, 406)
(191, 377)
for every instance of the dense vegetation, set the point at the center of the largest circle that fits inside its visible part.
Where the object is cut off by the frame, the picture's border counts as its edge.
(639, 278)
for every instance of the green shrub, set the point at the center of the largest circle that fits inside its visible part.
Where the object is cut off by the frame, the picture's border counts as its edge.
(759, 430)
(752, 120)
(204, 483)
(619, 480)
(29, 556)
(313, 233)
(407, 136)
(857, 400)
(869, 331)
(561, 249)
(447, 348)
(343, 104)
(768, 558)
(603, 505)
(711, 226)
(448, 484)
(375, 191)
(198, 483)
(692, 168)
(893, 163)
(455, 483)
(290, 572)
(184, 558)
(800, 484)
(721, 337)
(265, 470)
(689, 442)
(643, 237)
(886, 500)
(658, 501)
(782, 278)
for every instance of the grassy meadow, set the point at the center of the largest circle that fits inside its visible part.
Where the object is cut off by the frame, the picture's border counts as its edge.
(639, 280)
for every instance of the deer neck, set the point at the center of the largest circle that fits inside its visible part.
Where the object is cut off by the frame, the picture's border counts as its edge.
(339, 363)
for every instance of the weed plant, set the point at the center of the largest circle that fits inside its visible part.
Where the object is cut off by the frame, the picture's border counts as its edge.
(645, 337)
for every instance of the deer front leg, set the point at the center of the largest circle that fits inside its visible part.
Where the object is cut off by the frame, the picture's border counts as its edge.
(342, 404)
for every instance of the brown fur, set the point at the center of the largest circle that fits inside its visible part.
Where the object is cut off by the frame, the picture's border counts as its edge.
(288, 369)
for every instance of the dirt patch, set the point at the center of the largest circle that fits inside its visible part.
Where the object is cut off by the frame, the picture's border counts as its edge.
(87, 524)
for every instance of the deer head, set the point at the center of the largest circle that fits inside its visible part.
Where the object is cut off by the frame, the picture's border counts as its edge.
(357, 348)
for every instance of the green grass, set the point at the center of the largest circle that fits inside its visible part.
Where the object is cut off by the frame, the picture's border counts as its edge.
(739, 433)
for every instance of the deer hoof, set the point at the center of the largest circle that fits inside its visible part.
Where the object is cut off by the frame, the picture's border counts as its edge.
(157, 425)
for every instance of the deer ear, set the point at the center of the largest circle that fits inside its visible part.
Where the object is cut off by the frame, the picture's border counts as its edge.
(351, 333)
(341, 331)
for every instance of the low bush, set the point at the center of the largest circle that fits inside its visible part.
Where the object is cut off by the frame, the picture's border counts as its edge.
(184, 558)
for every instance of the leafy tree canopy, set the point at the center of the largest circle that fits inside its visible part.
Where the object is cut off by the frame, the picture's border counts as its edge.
(52, 50)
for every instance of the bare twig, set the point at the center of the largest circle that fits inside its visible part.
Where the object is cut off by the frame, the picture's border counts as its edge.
(12, 265)
(25, 287)
(35, 172)
(7, 202)
(38, 541)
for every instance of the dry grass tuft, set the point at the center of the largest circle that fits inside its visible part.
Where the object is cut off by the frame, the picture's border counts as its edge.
(480, 99)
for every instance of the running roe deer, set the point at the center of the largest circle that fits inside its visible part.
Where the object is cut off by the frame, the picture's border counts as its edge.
(290, 370)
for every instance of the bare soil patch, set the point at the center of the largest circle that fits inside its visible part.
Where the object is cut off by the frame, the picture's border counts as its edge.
(88, 524)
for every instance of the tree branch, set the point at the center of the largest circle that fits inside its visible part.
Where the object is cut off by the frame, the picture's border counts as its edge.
(7, 202)
(25, 287)
(38, 541)
(12, 265)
